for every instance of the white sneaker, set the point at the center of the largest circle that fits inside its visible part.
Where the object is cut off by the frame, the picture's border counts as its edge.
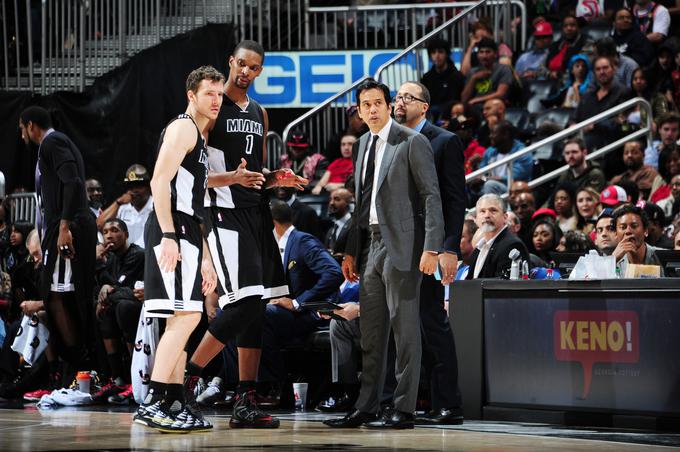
(212, 393)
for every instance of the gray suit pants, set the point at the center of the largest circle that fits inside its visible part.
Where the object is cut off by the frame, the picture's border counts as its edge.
(389, 300)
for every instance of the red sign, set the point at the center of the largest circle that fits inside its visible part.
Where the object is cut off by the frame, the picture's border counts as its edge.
(591, 337)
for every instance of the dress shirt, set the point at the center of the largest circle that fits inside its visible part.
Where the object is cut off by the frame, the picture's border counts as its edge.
(340, 223)
(484, 246)
(382, 140)
(283, 241)
(135, 220)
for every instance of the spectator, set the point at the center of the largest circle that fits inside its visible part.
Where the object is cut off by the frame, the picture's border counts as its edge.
(489, 79)
(133, 206)
(312, 275)
(677, 241)
(605, 233)
(668, 128)
(570, 44)
(16, 253)
(466, 246)
(444, 81)
(117, 309)
(655, 227)
(662, 69)
(545, 237)
(513, 223)
(493, 113)
(631, 228)
(613, 196)
(645, 177)
(653, 19)
(338, 211)
(490, 258)
(563, 203)
(630, 40)
(473, 151)
(575, 242)
(517, 187)
(670, 204)
(480, 30)
(668, 169)
(580, 78)
(624, 65)
(582, 173)
(355, 126)
(607, 94)
(503, 143)
(524, 206)
(340, 169)
(300, 158)
(588, 209)
(95, 196)
(640, 87)
(532, 63)
(305, 218)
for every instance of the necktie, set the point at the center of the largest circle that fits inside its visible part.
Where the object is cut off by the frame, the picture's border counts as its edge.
(332, 237)
(367, 186)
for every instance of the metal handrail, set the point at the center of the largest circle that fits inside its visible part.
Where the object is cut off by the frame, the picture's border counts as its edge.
(342, 9)
(275, 147)
(571, 131)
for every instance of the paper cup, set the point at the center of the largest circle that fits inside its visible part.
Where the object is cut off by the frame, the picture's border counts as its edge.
(300, 393)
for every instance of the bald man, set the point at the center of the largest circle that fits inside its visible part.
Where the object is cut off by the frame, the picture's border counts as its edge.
(341, 220)
(493, 112)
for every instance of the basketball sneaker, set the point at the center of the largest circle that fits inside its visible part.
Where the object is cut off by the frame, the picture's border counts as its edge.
(248, 415)
(122, 398)
(212, 393)
(106, 391)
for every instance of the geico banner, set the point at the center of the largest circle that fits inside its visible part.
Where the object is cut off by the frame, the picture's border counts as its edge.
(305, 79)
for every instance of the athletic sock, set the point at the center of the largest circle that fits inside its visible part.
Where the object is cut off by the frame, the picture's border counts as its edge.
(245, 386)
(193, 370)
(175, 392)
(156, 392)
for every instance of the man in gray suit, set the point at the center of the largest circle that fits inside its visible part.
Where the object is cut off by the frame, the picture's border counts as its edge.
(396, 236)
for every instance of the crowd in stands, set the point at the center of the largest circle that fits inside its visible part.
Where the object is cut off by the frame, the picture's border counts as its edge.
(626, 204)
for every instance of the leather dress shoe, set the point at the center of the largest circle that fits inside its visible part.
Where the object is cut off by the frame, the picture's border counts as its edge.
(393, 419)
(443, 416)
(352, 420)
(331, 405)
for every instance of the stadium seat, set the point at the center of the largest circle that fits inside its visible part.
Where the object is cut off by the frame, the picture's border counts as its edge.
(597, 30)
(560, 116)
(535, 91)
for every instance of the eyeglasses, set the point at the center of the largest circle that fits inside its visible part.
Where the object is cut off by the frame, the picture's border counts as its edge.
(407, 99)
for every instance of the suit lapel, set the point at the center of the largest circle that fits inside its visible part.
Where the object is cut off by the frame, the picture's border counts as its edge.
(359, 164)
(388, 153)
(289, 246)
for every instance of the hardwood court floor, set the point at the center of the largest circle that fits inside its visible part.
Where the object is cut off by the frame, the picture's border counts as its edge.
(77, 429)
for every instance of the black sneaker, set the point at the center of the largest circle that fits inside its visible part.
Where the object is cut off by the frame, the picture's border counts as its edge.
(248, 415)
(193, 386)
(146, 412)
(172, 419)
(199, 423)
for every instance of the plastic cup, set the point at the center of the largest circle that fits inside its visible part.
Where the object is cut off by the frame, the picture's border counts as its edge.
(83, 378)
(300, 393)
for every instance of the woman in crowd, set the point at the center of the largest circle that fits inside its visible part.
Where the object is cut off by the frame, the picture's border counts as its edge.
(587, 208)
(563, 204)
(641, 87)
(575, 242)
(545, 236)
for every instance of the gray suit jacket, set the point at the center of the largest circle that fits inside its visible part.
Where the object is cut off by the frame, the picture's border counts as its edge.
(407, 198)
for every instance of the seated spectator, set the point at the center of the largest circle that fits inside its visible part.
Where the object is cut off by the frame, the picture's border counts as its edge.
(613, 196)
(466, 245)
(532, 63)
(473, 151)
(305, 218)
(624, 65)
(605, 233)
(312, 275)
(16, 253)
(545, 237)
(588, 209)
(95, 196)
(653, 19)
(493, 113)
(117, 308)
(571, 43)
(630, 40)
(663, 71)
(513, 223)
(355, 126)
(340, 169)
(338, 211)
(524, 206)
(300, 158)
(444, 81)
(582, 173)
(579, 79)
(563, 203)
(631, 228)
(489, 79)
(641, 87)
(490, 258)
(133, 206)
(668, 129)
(656, 226)
(503, 143)
(669, 167)
(645, 177)
(676, 241)
(517, 187)
(671, 204)
(575, 242)
(607, 94)
(480, 30)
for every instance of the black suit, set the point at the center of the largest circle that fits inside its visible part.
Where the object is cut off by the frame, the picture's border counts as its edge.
(439, 347)
(337, 245)
(305, 218)
(497, 261)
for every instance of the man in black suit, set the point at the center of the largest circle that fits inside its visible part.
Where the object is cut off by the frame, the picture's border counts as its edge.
(69, 236)
(491, 258)
(439, 349)
(341, 220)
(304, 217)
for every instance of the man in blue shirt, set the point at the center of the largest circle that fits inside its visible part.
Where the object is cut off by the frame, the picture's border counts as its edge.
(503, 143)
(531, 64)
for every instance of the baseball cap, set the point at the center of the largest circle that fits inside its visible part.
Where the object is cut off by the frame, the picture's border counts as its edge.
(543, 29)
(544, 211)
(613, 195)
(298, 139)
(136, 173)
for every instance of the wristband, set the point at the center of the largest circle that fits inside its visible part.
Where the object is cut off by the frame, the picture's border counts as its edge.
(170, 235)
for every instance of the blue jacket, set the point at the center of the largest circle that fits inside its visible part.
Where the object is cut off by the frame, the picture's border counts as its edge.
(311, 272)
(521, 168)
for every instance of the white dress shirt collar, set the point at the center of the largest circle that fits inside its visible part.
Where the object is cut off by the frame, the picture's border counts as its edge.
(283, 241)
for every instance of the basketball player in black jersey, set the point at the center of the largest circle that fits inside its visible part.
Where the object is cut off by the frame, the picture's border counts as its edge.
(178, 267)
(244, 251)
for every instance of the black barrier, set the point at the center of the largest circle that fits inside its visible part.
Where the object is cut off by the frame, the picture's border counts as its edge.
(598, 346)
